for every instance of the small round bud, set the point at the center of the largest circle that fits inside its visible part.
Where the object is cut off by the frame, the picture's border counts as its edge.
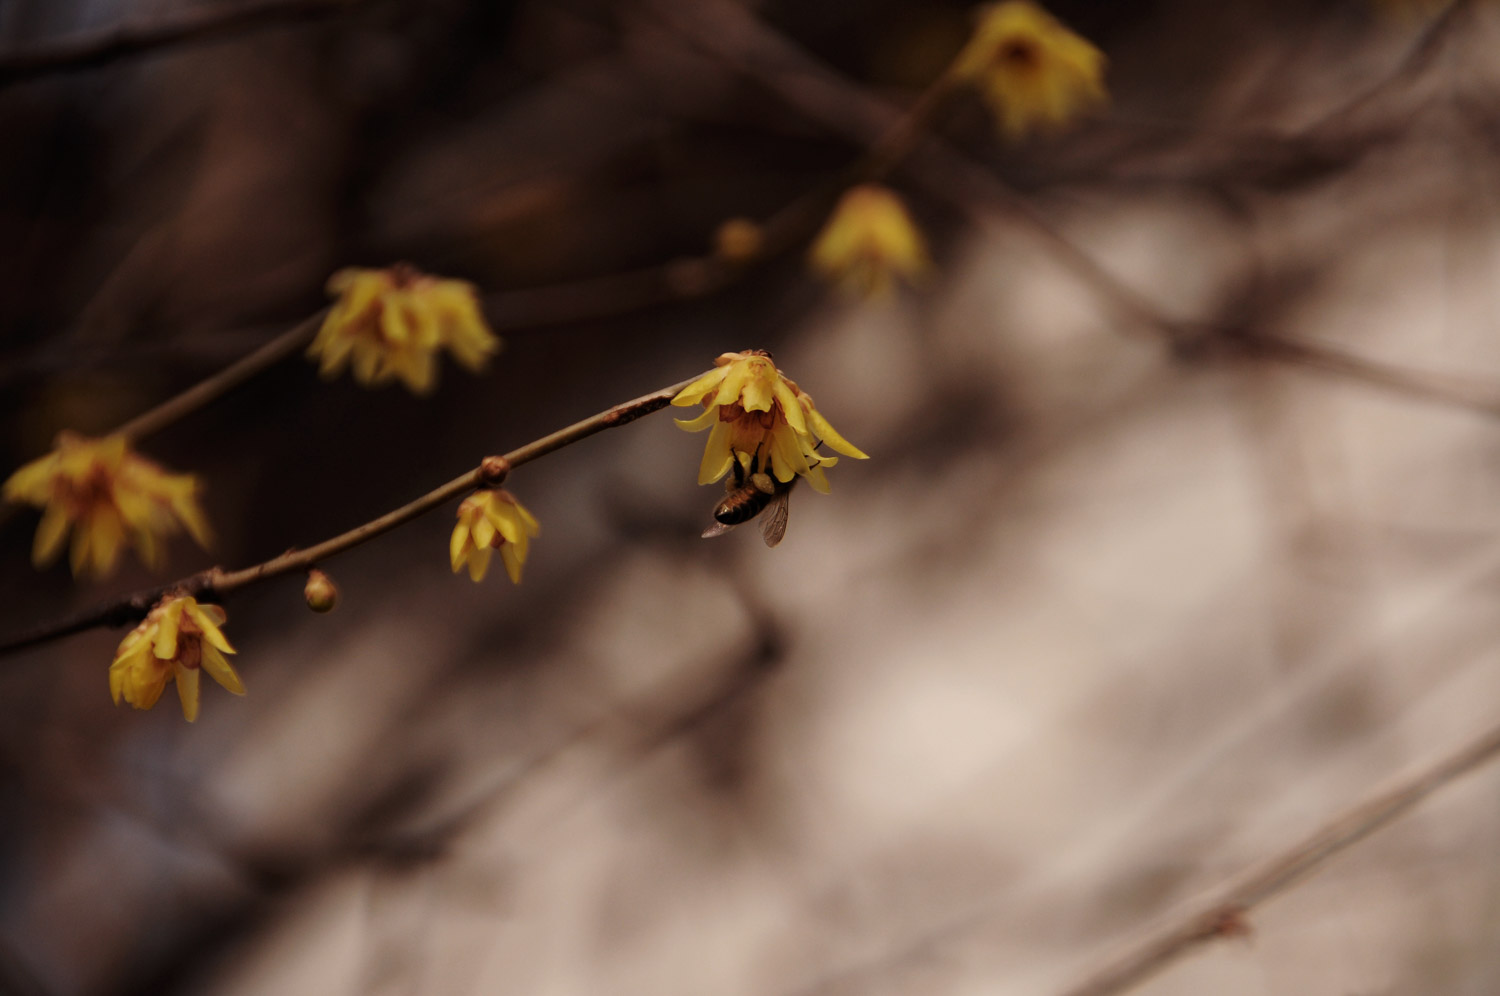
(738, 240)
(321, 593)
(492, 471)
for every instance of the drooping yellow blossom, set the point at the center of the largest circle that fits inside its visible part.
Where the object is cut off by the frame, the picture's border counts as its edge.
(391, 323)
(1032, 71)
(177, 640)
(107, 495)
(490, 520)
(870, 239)
(761, 420)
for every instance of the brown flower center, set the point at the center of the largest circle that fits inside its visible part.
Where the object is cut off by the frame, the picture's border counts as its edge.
(82, 495)
(1020, 54)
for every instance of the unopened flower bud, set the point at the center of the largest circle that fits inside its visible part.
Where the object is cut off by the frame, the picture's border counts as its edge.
(321, 593)
(738, 240)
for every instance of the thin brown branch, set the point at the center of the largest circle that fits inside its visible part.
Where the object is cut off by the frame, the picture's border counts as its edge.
(197, 24)
(207, 390)
(1221, 915)
(216, 583)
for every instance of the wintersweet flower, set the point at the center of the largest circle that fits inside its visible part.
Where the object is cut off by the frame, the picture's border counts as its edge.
(1030, 68)
(870, 239)
(761, 421)
(108, 496)
(177, 640)
(390, 324)
(490, 520)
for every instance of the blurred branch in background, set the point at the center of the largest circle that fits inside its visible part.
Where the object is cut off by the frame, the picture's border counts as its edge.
(196, 24)
(1221, 915)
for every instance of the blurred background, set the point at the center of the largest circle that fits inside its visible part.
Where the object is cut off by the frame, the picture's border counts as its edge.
(1130, 595)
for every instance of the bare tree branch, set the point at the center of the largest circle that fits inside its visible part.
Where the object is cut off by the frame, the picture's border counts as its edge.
(1221, 915)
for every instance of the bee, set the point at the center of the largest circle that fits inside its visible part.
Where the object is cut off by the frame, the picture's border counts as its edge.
(751, 495)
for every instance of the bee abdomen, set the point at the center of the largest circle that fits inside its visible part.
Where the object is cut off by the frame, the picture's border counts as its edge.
(741, 505)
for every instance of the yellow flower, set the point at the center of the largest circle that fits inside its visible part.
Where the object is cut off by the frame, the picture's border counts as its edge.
(107, 495)
(490, 520)
(391, 323)
(761, 420)
(1033, 71)
(178, 639)
(869, 239)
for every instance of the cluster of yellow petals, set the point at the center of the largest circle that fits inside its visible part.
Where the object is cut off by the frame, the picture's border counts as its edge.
(870, 239)
(490, 520)
(177, 640)
(390, 324)
(108, 496)
(761, 420)
(1032, 71)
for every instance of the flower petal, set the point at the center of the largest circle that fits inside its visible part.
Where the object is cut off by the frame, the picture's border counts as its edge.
(717, 456)
(513, 562)
(698, 389)
(709, 417)
(108, 537)
(32, 483)
(458, 544)
(50, 533)
(790, 406)
(210, 627)
(829, 435)
(168, 626)
(533, 527)
(187, 691)
(817, 479)
(222, 671)
(483, 531)
(759, 387)
(507, 524)
(737, 374)
(479, 562)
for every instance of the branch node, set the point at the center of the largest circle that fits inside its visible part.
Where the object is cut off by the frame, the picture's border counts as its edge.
(625, 415)
(492, 471)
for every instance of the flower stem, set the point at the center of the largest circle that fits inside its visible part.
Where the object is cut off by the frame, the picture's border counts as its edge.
(179, 406)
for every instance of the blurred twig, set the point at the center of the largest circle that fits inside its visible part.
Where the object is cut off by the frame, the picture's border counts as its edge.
(1418, 59)
(1445, 389)
(215, 583)
(201, 23)
(230, 377)
(1221, 915)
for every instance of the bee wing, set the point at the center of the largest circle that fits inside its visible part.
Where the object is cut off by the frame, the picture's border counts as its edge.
(773, 519)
